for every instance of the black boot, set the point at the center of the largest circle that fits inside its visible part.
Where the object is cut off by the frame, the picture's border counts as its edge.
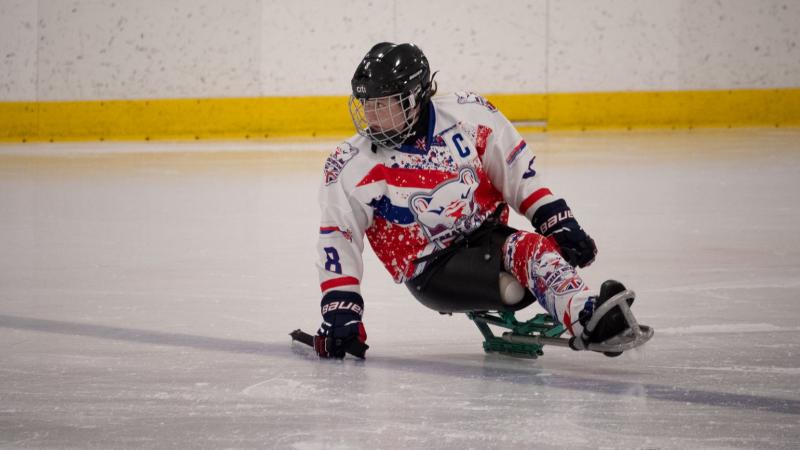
(613, 322)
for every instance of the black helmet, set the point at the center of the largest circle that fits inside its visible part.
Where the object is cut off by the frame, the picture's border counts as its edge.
(390, 86)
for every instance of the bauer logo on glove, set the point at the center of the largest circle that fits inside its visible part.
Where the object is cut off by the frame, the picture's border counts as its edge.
(555, 219)
(343, 306)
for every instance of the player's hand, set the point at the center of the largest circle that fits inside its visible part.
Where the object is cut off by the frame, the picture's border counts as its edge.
(341, 324)
(556, 220)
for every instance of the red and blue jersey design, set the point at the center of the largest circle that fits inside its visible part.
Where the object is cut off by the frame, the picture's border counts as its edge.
(416, 199)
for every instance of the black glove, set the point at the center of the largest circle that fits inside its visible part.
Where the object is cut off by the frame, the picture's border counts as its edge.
(555, 219)
(341, 324)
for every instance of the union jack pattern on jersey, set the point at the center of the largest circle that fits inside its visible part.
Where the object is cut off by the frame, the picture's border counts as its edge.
(416, 199)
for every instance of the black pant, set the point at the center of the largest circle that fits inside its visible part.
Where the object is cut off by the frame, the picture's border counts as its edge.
(465, 276)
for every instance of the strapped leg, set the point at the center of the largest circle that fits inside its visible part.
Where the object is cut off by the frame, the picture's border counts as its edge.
(535, 262)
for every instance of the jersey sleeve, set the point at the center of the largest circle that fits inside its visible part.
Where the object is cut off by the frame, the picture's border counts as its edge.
(510, 163)
(341, 239)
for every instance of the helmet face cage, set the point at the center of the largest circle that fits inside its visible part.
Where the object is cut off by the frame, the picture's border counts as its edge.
(388, 121)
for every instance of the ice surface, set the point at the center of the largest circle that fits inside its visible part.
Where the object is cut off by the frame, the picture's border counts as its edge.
(146, 300)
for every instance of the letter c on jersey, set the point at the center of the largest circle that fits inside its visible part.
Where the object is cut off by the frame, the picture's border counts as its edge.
(457, 140)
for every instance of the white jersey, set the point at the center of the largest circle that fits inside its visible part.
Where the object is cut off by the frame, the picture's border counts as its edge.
(414, 200)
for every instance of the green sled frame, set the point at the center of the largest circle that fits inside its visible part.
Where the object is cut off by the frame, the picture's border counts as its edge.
(538, 331)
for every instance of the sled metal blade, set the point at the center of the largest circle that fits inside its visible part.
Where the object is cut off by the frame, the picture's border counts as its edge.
(627, 340)
(535, 339)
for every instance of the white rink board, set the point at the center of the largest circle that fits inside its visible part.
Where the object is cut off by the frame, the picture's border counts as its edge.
(146, 301)
(107, 49)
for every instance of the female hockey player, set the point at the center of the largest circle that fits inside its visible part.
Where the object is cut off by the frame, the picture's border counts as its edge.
(428, 180)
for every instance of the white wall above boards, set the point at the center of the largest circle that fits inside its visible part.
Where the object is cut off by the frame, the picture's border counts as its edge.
(18, 50)
(106, 49)
(652, 45)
